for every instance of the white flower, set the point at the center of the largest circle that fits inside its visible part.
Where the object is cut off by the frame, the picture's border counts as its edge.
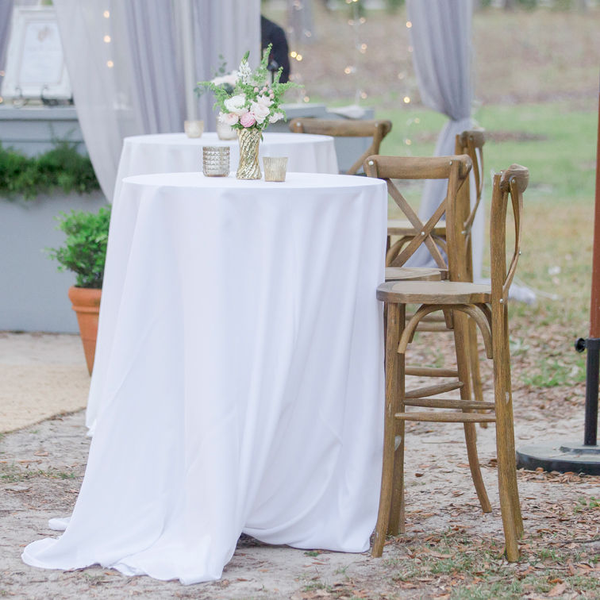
(264, 100)
(260, 111)
(235, 104)
(245, 72)
(275, 117)
(228, 118)
(230, 79)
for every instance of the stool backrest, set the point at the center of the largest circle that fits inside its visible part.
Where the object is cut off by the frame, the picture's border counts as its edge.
(507, 185)
(374, 129)
(470, 142)
(453, 168)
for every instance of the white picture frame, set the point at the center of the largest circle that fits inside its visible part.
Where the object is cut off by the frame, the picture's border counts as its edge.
(35, 64)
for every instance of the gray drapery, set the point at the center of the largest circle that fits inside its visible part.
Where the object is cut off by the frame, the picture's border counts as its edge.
(125, 63)
(6, 7)
(441, 40)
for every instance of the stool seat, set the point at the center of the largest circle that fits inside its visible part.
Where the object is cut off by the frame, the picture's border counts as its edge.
(433, 292)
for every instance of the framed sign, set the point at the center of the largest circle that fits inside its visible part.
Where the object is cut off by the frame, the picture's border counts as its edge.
(35, 64)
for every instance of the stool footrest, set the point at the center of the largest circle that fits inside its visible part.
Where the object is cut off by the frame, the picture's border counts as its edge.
(450, 403)
(446, 417)
(433, 390)
(431, 372)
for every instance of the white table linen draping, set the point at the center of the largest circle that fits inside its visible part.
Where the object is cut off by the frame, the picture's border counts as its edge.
(238, 376)
(176, 153)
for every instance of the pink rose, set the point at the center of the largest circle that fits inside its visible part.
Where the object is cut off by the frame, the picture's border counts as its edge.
(247, 120)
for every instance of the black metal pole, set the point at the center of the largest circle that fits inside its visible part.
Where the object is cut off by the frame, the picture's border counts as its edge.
(591, 391)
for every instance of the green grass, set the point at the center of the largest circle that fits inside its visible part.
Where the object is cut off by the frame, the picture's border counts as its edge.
(557, 144)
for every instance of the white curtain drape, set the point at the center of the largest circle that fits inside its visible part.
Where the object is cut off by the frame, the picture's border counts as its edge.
(125, 62)
(442, 54)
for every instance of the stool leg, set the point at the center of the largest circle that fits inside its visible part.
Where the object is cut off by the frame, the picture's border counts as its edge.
(474, 366)
(462, 360)
(391, 389)
(397, 522)
(507, 472)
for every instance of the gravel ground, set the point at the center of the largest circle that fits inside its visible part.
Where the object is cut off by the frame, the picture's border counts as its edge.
(42, 467)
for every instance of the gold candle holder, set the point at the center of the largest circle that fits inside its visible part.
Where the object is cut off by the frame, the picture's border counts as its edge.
(275, 167)
(215, 161)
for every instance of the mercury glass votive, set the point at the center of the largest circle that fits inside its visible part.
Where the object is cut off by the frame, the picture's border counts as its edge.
(193, 129)
(215, 161)
(275, 167)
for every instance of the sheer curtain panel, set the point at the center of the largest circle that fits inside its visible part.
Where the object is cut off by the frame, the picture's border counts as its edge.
(441, 38)
(125, 62)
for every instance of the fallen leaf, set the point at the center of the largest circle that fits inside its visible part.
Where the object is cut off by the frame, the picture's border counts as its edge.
(557, 590)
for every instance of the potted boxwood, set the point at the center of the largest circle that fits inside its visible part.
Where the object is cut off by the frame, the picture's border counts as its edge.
(84, 253)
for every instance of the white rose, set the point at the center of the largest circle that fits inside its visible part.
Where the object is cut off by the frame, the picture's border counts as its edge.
(260, 112)
(264, 101)
(228, 118)
(275, 117)
(235, 105)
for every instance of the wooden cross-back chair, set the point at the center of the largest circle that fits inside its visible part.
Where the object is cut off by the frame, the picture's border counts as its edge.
(471, 143)
(393, 169)
(487, 306)
(374, 129)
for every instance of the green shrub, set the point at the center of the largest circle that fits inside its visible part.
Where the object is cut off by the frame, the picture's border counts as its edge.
(84, 250)
(61, 168)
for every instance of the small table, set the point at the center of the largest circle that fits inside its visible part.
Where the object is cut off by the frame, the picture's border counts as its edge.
(238, 384)
(176, 153)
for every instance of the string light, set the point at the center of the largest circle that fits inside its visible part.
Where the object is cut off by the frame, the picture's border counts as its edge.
(293, 54)
(406, 100)
(110, 64)
(107, 39)
(306, 99)
(106, 14)
(408, 24)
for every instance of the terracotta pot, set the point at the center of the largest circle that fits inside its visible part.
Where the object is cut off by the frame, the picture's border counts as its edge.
(86, 303)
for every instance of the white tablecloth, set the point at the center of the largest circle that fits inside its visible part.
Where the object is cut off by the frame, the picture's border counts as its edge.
(238, 382)
(176, 153)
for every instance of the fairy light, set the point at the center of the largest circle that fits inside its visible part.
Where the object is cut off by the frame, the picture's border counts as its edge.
(293, 54)
(408, 24)
(406, 99)
(306, 99)
(110, 64)
(408, 141)
(107, 39)
(298, 57)
(106, 14)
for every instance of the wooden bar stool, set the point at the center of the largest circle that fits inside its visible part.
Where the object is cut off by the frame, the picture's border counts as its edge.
(487, 306)
(374, 129)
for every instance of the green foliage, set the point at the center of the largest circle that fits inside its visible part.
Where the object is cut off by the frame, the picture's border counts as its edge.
(84, 250)
(250, 87)
(61, 168)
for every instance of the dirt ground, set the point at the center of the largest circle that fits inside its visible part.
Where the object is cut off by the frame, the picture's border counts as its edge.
(42, 466)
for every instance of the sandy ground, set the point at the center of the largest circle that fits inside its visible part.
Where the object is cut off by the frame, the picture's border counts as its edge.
(42, 467)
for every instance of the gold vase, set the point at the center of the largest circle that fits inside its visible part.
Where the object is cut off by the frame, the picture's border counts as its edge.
(249, 140)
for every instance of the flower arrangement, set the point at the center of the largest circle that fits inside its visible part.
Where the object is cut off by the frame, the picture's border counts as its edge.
(245, 98)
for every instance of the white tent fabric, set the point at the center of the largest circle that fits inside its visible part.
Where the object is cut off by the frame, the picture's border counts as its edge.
(125, 62)
(441, 38)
